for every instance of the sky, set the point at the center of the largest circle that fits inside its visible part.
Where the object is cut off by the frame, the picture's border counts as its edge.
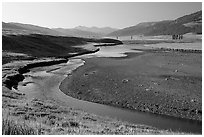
(100, 14)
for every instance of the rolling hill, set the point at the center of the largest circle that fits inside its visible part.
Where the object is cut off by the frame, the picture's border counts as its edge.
(191, 23)
(38, 45)
(186, 24)
(49, 46)
(19, 28)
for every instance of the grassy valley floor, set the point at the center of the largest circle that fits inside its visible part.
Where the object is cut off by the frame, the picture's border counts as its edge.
(34, 108)
(166, 82)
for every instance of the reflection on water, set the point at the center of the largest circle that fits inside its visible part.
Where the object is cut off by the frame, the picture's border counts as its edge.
(120, 50)
(115, 51)
(111, 51)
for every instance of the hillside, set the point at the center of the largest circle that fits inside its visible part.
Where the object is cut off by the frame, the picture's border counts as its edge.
(25, 29)
(47, 45)
(186, 24)
(10, 26)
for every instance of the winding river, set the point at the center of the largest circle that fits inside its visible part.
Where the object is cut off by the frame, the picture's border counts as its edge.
(48, 80)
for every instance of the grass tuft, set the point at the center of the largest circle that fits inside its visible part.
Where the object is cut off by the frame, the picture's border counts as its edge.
(9, 127)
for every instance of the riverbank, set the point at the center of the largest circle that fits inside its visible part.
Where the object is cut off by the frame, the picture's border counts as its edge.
(28, 104)
(157, 81)
(37, 105)
(27, 47)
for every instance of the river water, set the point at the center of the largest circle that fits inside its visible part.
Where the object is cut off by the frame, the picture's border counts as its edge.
(155, 120)
(135, 117)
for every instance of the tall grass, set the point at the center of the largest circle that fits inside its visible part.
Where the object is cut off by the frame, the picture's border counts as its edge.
(9, 127)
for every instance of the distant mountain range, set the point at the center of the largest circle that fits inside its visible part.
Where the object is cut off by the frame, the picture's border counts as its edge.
(82, 31)
(102, 31)
(186, 24)
(19, 28)
(77, 33)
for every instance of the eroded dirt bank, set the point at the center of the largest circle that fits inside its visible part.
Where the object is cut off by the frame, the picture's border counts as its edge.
(14, 78)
